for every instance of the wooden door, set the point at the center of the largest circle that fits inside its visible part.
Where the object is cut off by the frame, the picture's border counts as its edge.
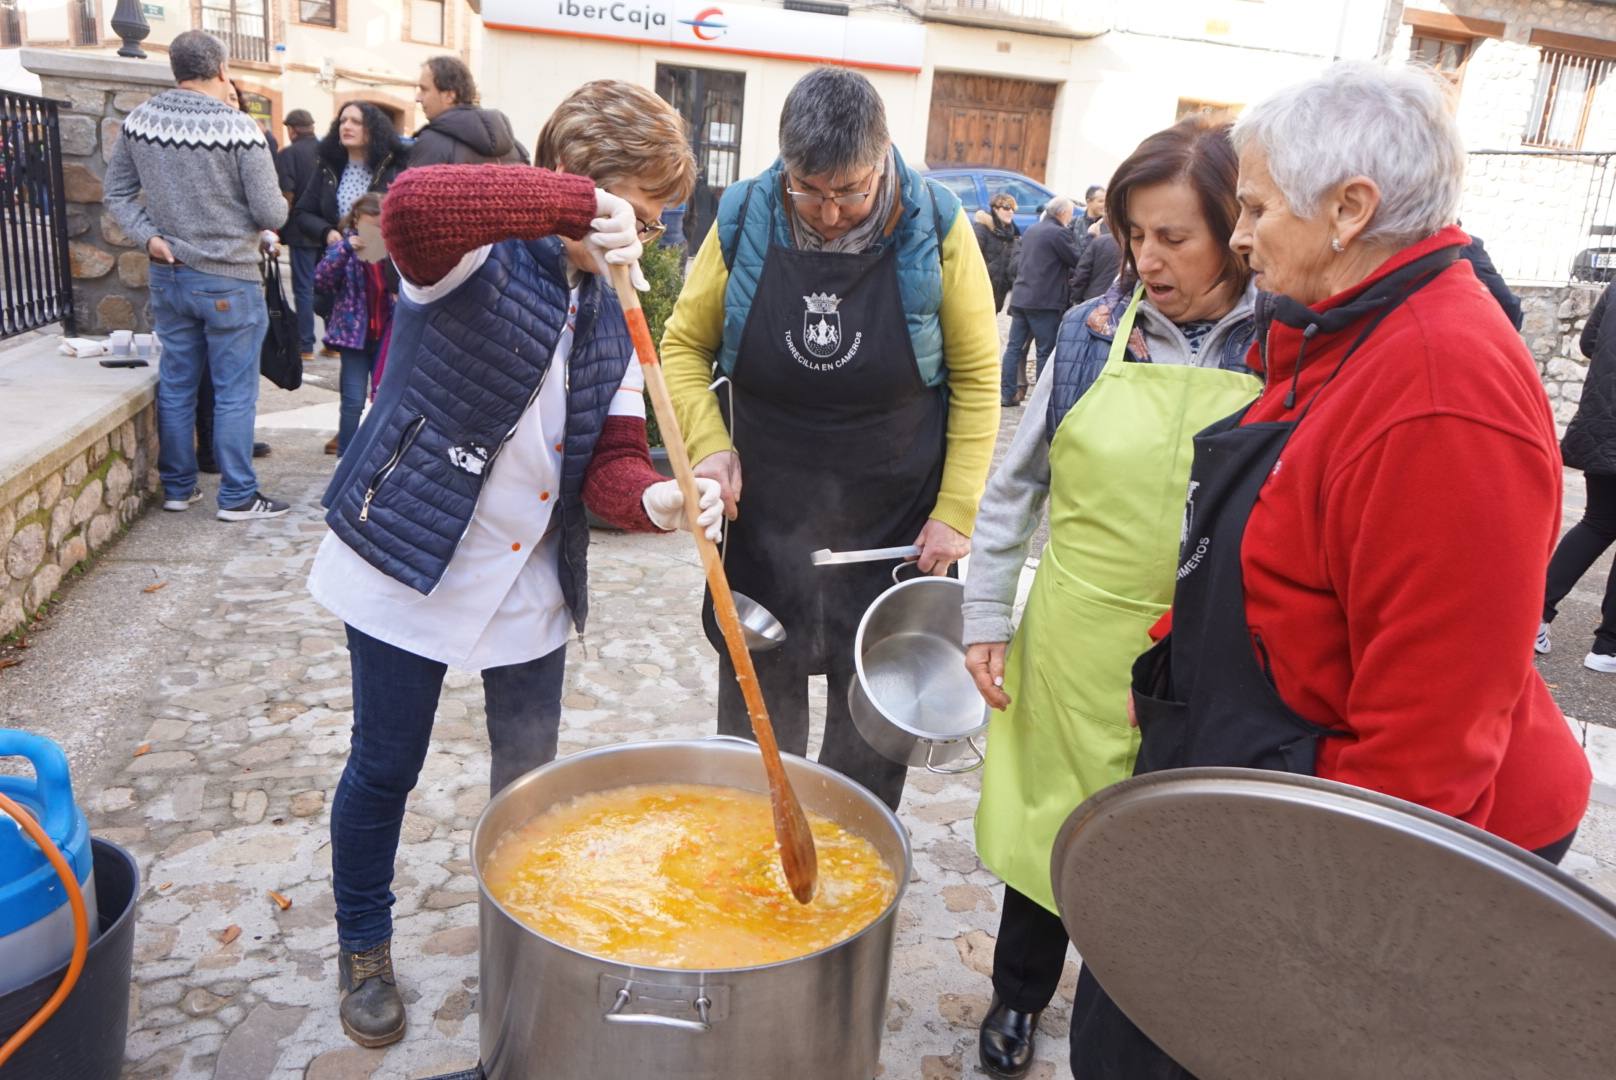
(981, 120)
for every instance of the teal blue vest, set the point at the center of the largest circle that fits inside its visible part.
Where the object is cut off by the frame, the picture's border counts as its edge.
(750, 218)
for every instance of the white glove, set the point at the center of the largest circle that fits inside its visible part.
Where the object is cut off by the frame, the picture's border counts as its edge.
(665, 506)
(614, 237)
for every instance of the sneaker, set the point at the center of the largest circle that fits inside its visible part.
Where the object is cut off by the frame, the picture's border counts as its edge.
(1598, 661)
(1541, 645)
(260, 449)
(178, 505)
(254, 508)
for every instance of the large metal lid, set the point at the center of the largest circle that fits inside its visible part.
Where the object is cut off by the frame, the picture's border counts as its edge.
(1258, 924)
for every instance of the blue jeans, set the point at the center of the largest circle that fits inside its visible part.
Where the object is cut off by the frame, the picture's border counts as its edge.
(304, 260)
(357, 364)
(395, 695)
(1036, 324)
(210, 326)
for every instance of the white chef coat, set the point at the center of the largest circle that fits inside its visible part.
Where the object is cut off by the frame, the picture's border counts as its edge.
(499, 601)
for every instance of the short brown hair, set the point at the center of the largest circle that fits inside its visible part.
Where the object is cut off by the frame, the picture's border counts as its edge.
(613, 131)
(1196, 150)
(450, 74)
(1002, 199)
(367, 205)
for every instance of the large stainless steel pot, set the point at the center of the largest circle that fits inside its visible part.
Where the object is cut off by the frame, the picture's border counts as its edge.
(549, 1011)
(912, 699)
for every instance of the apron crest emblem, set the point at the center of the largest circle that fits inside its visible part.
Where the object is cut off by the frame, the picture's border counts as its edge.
(821, 324)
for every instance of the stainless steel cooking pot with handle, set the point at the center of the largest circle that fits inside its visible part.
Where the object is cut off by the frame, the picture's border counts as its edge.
(550, 1011)
(912, 699)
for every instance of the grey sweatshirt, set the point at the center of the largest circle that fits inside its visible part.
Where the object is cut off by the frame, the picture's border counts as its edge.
(208, 177)
(1013, 503)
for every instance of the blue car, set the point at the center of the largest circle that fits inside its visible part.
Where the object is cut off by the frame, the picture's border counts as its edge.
(976, 186)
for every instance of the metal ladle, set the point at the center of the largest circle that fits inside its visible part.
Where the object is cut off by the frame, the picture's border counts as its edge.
(759, 628)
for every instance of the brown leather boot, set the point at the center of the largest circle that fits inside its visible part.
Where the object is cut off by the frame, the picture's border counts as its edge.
(331, 447)
(371, 1009)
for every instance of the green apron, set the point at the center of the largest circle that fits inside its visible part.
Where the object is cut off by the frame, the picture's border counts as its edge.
(1119, 468)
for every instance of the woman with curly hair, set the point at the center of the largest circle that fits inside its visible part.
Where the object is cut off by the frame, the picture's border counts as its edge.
(361, 154)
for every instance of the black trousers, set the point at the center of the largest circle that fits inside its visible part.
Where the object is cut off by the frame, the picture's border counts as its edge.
(1581, 548)
(1029, 955)
(1107, 1046)
(784, 682)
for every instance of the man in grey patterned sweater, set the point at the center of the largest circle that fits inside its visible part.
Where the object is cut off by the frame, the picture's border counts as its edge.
(210, 190)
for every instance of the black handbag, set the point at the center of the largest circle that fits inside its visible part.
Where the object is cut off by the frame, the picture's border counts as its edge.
(281, 359)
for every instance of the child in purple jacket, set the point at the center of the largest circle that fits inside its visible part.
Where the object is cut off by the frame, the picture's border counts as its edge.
(361, 313)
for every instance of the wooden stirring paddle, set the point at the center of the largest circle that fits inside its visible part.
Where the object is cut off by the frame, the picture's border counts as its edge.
(790, 823)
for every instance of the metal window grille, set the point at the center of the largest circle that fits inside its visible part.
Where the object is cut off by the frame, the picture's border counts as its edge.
(10, 25)
(34, 265)
(84, 17)
(1567, 83)
(1548, 216)
(317, 12)
(243, 25)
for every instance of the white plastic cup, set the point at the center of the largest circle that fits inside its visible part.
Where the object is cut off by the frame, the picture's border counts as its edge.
(145, 346)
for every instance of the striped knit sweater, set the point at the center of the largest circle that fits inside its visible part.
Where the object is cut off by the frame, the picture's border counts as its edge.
(208, 178)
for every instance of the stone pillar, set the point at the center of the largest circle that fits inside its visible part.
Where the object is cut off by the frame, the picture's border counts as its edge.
(98, 90)
(1554, 319)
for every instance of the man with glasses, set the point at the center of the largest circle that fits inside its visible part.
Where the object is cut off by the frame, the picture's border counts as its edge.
(844, 297)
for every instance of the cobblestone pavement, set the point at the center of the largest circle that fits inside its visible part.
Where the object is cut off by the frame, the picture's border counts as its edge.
(217, 767)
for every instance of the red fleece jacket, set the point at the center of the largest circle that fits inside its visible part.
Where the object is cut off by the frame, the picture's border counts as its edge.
(1395, 559)
(434, 215)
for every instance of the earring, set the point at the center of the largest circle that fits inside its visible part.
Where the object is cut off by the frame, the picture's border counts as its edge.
(1336, 245)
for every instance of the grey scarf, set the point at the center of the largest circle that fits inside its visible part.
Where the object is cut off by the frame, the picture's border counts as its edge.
(862, 236)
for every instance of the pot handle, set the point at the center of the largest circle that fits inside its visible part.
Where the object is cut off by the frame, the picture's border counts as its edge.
(625, 995)
(907, 564)
(970, 740)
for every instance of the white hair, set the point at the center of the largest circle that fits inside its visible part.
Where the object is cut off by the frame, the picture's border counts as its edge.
(1391, 124)
(1059, 205)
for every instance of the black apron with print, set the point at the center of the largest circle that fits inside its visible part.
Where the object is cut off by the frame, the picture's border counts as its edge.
(841, 443)
(1204, 694)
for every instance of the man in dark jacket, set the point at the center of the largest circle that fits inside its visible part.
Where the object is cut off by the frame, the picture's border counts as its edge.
(998, 236)
(1040, 296)
(1097, 267)
(457, 131)
(297, 163)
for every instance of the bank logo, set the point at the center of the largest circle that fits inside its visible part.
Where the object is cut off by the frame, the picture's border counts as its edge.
(822, 325)
(708, 24)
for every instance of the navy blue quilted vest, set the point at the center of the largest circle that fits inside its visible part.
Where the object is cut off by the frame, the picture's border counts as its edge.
(1081, 353)
(461, 371)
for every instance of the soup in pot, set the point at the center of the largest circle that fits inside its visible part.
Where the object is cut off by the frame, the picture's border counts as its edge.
(682, 876)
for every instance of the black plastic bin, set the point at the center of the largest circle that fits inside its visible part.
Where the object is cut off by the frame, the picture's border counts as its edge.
(85, 1039)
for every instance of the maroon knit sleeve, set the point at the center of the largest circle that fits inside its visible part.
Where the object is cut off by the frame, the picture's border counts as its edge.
(435, 214)
(619, 473)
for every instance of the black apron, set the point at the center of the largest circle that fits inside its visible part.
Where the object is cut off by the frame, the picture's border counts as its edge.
(1204, 694)
(841, 444)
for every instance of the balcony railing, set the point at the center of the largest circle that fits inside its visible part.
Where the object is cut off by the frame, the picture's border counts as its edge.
(243, 26)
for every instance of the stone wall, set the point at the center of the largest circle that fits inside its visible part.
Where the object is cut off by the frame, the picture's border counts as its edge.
(1554, 318)
(98, 90)
(70, 504)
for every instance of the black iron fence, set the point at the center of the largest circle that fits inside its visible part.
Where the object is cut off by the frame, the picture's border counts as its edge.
(34, 263)
(1548, 217)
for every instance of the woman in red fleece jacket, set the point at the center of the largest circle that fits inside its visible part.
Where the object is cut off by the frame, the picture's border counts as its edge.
(1365, 546)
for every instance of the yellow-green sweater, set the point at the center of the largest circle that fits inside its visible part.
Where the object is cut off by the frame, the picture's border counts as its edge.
(695, 331)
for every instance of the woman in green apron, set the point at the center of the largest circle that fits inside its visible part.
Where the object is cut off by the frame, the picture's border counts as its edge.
(845, 298)
(1106, 442)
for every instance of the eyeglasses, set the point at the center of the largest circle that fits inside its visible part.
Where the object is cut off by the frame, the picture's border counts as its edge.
(649, 230)
(849, 200)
